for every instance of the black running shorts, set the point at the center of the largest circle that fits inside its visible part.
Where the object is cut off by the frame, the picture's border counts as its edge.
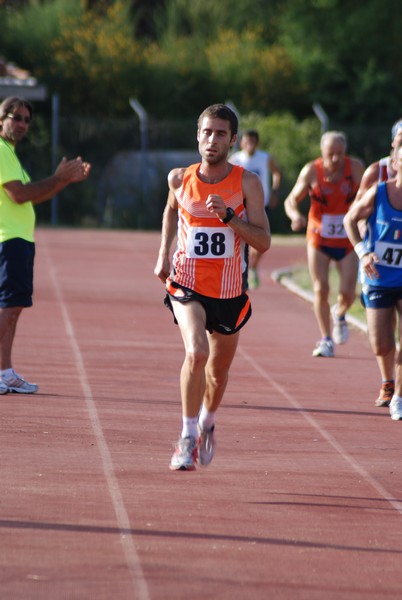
(226, 316)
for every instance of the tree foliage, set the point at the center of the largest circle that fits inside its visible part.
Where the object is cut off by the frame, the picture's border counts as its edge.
(346, 53)
(96, 61)
(176, 56)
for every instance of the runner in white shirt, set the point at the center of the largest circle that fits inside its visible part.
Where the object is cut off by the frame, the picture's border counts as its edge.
(264, 165)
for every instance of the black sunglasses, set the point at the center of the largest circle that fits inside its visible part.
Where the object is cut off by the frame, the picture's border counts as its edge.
(19, 118)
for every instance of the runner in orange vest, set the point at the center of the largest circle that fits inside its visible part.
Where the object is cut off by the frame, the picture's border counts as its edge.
(331, 182)
(216, 210)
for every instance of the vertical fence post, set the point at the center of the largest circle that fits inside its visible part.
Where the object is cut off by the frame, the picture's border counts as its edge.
(322, 116)
(143, 117)
(55, 148)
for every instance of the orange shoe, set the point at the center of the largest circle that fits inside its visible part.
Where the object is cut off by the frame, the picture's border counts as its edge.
(386, 393)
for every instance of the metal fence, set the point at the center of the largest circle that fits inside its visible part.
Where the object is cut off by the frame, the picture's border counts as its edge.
(115, 195)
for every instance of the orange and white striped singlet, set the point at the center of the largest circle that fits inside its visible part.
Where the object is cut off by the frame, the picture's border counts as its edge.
(210, 258)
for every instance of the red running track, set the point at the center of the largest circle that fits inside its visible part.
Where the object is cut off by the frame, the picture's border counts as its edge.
(302, 501)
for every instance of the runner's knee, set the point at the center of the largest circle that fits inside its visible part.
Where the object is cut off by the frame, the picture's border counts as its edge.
(346, 298)
(382, 347)
(321, 290)
(197, 357)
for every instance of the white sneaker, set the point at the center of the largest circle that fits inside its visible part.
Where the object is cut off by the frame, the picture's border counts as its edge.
(324, 348)
(395, 409)
(206, 446)
(185, 455)
(340, 332)
(16, 383)
(3, 388)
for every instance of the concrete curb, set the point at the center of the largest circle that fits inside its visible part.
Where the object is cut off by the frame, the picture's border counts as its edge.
(283, 276)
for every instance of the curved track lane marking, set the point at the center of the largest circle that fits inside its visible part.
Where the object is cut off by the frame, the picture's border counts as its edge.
(283, 276)
(395, 503)
(131, 556)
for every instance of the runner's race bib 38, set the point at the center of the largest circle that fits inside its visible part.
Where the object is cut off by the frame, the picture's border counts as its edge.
(210, 242)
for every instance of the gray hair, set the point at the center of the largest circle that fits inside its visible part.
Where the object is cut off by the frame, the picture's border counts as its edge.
(396, 127)
(331, 136)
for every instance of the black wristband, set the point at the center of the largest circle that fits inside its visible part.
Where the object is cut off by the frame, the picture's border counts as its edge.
(229, 215)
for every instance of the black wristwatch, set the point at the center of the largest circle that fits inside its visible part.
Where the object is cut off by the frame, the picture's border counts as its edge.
(230, 213)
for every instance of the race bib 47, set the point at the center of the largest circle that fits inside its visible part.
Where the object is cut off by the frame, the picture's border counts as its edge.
(389, 254)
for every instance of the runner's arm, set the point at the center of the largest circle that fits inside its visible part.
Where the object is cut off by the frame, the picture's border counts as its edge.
(357, 170)
(68, 171)
(276, 175)
(169, 228)
(370, 177)
(255, 231)
(359, 211)
(298, 193)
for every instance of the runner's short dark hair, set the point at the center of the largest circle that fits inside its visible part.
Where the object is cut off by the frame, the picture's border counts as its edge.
(221, 111)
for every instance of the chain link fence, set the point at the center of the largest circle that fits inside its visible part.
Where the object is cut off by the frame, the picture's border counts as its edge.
(127, 187)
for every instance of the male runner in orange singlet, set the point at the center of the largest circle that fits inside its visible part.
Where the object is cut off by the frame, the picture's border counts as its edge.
(216, 209)
(332, 182)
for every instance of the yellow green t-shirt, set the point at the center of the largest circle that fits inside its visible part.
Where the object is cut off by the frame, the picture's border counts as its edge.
(16, 220)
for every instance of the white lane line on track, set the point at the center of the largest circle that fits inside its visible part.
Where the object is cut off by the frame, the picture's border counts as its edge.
(126, 539)
(284, 277)
(141, 345)
(396, 504)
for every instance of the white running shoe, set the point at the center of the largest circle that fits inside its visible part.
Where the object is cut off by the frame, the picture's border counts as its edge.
(185, 455)
(395, 410)
(3, 388)
(16, 383)
(340, 332)
(324, 348)
(206, 446)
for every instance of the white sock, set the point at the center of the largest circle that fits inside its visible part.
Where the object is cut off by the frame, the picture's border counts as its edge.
(206, 419)
(190, 427)
(396, 398)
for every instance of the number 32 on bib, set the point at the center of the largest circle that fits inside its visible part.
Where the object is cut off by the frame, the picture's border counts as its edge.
(332, 227)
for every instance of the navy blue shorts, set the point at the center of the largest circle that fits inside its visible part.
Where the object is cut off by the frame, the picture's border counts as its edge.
(380, 297)
(335, 253)
(16, 273)
(226, 316)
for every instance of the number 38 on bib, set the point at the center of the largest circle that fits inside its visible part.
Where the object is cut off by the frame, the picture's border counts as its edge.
(210, 242)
